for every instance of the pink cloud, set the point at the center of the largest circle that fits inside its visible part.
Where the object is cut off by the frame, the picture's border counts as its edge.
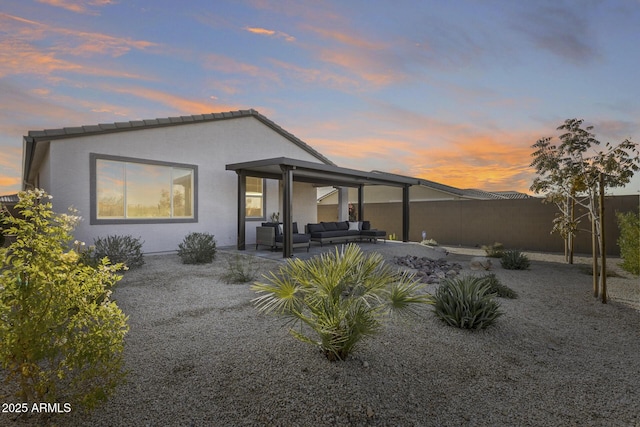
(10, 169)
(449, 153)
(270, 33)
(372, 61)
(176, 103)
(314, 75)
(22, 46)
(78, 6)
(229, 65)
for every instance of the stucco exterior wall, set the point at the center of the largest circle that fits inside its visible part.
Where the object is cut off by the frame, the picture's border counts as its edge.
(209, 145)
(44, 176)
(305, 210)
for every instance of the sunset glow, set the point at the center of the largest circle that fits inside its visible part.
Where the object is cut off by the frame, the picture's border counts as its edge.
(453, 92)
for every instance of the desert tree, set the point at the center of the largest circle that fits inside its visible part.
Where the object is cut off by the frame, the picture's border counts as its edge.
(577, 171)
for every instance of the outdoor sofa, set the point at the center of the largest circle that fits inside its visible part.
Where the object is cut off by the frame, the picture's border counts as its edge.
(344, 231)
(271, 234)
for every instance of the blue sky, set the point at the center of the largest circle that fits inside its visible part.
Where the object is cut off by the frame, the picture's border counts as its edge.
(455, 92)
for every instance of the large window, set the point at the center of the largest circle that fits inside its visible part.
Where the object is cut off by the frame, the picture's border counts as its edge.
(255, 198)
(135, 190)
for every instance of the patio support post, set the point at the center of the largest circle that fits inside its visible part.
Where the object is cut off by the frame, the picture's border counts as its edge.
(361, 202)
(287, 212)
(405, 213)
(242, 209)
(343, 204)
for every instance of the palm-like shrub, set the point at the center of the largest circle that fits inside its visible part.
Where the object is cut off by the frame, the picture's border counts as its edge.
(466, 302)
(339, 298)
(197, 248)
(514, 260)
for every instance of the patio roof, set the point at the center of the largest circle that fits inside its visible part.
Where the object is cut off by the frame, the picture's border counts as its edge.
(290, 170)
(319, 173)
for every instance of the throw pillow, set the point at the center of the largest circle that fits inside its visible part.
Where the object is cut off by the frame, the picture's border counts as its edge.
(354, 226)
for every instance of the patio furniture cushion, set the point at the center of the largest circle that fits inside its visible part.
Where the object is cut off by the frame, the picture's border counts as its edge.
(373, 233)
(334, 232)
(278, 227)
(342, 225)
(329, 226)
(315, 228)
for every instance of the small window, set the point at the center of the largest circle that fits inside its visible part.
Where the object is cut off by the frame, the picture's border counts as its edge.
(136, 190)
(255, 198)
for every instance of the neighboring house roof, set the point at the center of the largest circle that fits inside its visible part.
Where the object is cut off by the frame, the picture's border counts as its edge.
(34, 137)
(469, 193)
(9, 199)
(512, 195)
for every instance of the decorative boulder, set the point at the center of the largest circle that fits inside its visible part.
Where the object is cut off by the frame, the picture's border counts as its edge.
(480, 263)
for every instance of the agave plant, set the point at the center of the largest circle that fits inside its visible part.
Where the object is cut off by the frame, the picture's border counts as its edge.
(466, 302)
(336, 299)
(514, 260)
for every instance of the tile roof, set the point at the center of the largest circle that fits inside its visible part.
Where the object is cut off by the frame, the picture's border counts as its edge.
(512, 194)
(9, 198)
(35, 136)
(469, 193)
(70, 132)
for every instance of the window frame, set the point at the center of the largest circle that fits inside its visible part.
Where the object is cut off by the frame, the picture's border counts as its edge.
(264, 201)
(94, 220)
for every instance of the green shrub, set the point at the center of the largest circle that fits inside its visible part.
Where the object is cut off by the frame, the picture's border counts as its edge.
(239, 270)
(429, 242)
(629, 241)
(337, 299)
(466, 302)
(494, 251)
(197, 248)
(119, 249)
(496, 287)
(514, 260)
(62, 338)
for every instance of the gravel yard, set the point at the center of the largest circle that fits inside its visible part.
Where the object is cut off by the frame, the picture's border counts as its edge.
(199, 354)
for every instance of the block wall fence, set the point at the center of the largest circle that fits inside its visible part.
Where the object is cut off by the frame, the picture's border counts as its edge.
(518, 224)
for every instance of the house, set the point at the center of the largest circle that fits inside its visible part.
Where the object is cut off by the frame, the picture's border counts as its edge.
(9, 202)
(164, 178)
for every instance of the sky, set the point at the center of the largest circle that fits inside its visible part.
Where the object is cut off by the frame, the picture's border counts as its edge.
(450, 91)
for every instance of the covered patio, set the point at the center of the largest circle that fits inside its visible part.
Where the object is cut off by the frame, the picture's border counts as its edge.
(291, 170)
